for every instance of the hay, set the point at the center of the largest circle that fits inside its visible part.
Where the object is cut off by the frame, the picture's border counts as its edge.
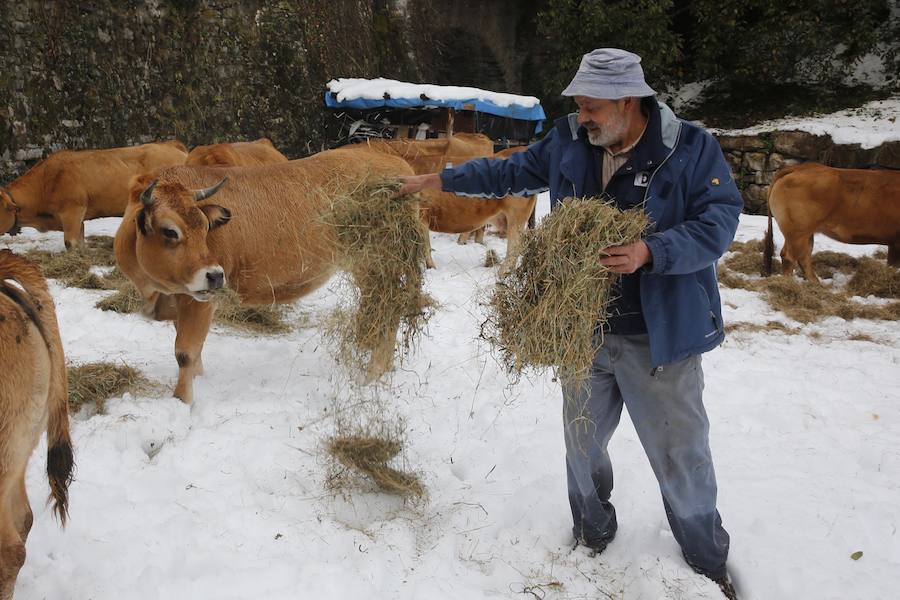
(744, 326)
(256, 319)
(73, 267)
(370, 456)
(747, 258)
(490, 258)
(875, 278)
(545, 312)
(381, 243)
(94, 383)
(126, 300)
(229, 312)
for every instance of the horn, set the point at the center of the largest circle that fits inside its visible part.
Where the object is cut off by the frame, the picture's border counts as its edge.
(147, 195)
(207, 192)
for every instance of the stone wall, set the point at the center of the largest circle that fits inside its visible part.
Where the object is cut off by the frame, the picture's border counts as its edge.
(755, 159)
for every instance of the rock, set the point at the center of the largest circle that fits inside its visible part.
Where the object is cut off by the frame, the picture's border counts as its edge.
(801, 144)
(755, 199)
(778, 162)
(742, 143)
(889, 155)
(849, 156)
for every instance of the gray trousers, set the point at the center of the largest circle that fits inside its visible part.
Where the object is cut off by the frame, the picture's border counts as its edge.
(666, 408)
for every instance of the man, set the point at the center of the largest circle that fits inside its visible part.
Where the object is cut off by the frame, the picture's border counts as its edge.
(626, 145)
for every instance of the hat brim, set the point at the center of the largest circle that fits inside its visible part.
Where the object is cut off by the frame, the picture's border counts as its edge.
(608, 91)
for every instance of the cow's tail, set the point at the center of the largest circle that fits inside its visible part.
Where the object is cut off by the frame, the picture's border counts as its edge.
(769, 244)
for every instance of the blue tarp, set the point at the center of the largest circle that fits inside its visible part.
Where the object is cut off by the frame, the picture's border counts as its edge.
(513, 111)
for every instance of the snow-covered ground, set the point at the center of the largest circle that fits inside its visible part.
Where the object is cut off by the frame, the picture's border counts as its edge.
(869, 125)
(227, 499)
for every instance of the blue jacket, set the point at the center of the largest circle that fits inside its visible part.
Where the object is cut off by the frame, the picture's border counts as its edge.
(690, 197)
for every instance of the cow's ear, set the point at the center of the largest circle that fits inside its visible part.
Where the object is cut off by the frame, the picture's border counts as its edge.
(143, 223)
(217, 215)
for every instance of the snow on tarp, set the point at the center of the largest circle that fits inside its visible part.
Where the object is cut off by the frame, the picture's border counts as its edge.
(375, 93)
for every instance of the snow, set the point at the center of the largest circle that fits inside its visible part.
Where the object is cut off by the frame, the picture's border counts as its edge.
(227, 498)
(374, 89)
(870, 125)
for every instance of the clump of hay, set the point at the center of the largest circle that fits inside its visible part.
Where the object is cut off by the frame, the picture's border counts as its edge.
(73, 267)
(744, 326)
(490, 258)
(874, 278)
(370, 456)
(126, 300)
(545, 311)
(94, 383)
(257, 319)
(747, 258)
(380, 242)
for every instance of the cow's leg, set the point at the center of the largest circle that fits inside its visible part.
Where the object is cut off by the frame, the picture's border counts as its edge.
(479, 235)
(72, 219)
(12, 548)
(192, 322)
(893, 258)
(516, 220)
(798, 249)
(22, 514)
(429, 260)
(463, 238)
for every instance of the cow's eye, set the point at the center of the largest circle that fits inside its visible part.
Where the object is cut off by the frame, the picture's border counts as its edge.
(169, 234)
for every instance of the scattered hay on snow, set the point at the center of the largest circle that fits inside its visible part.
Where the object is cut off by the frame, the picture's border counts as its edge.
(370, 456)
(875, 278)
(545, 311)
(807, 302)
(381, 243)
(490, 258)
(73, 267)
(368, 441)
(269, 318)
(94, 383)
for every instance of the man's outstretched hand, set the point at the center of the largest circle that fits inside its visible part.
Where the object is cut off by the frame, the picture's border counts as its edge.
(417, 183)
(628, 258)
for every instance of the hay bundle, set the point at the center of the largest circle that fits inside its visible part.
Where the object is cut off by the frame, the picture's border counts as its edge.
(544, 312)
(94, 383)
(370, 456)
(381, 243)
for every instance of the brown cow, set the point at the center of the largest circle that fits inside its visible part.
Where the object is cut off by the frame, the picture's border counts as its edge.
(854, 206)
(500, 220)
(70, 186)
(33, 399)
(236, 154)
(275, 250)
(449, 213)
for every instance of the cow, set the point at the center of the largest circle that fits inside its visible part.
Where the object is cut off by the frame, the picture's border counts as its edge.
(499, 222)
(263, 236)
(236, 154)
(854, 206)
(70, 186)
(33, 399)
(448, 213)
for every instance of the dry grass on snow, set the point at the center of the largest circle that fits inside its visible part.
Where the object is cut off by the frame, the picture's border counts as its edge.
(808, 302)
(94, 383)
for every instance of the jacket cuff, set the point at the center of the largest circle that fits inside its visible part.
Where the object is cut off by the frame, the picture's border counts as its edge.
(659, 253)
(447, 180)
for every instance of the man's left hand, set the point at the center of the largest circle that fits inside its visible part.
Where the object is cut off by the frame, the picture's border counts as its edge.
(628, 258)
